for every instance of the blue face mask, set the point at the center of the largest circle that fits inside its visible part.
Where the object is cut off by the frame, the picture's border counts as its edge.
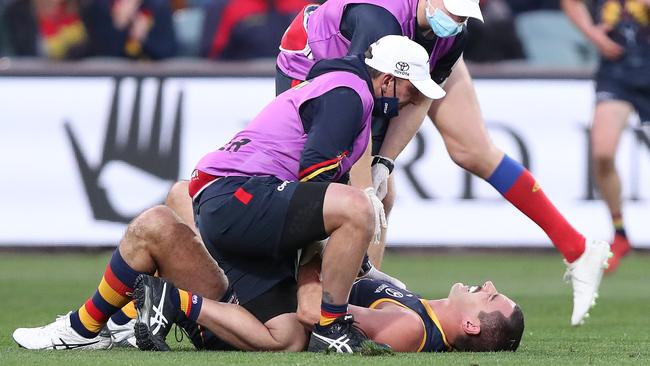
(387, 107)
(442, 24)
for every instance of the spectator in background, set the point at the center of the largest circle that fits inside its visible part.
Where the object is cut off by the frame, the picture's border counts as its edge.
(50, 28)
(548, 37)
(138, 29)
(621, 33)
(496, 39)
(229, 24)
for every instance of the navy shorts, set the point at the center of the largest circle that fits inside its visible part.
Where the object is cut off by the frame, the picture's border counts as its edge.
(253, 227)
(379, 125)
(639, 97)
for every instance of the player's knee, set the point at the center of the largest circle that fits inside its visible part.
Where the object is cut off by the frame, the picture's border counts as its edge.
(479, 159)
(178, 194)
(603, 162)
(149, 226)
(220, 284)
(465, 158)
(360, 213)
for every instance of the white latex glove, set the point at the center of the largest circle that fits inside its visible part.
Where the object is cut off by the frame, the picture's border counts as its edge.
(369, 271)
(380, 215)
(376, 274)
(310, 251)
(380, 175)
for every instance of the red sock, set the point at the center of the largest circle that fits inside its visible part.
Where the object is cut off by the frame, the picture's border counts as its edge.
(528, 197)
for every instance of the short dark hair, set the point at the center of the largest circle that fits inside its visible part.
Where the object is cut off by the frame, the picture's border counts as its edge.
(498, 333)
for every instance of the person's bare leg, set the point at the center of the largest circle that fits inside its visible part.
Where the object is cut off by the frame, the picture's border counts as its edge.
(458, 118)
(158, 240)
(610, 119)
(179, 200)
(469, 145)
(349, 219)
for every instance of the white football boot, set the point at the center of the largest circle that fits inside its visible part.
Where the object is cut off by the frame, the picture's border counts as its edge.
(59, 335)
(585, 275)
(122, 335)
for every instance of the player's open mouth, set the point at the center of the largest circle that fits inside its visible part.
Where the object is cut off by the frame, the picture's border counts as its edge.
(473, 289)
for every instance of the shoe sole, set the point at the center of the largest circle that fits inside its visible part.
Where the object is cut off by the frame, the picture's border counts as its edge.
(144, 339)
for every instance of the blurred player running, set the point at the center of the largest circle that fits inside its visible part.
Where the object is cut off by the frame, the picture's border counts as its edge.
(622, 36)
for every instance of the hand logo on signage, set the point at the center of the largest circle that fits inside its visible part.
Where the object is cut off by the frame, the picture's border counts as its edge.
(158, 165)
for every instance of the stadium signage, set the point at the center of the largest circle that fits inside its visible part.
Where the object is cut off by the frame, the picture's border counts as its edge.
(97, 151)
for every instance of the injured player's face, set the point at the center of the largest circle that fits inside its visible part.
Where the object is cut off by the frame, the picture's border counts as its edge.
(469, 300)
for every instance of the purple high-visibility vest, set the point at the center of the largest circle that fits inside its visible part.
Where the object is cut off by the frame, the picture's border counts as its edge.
(272, 144)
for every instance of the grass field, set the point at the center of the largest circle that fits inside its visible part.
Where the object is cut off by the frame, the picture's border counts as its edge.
(34, 288)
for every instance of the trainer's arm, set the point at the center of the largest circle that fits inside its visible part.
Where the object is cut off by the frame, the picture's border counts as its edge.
(403, 128)
(309, 292)
(235, 325)
(332, 123)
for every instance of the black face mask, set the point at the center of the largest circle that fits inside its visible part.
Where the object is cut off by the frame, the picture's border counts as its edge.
(387, 107)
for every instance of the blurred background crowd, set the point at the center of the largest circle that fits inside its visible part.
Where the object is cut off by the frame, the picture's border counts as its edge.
(528, 31)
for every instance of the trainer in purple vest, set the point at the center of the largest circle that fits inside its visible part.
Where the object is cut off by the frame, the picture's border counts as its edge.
(271, 145)
(325, 41)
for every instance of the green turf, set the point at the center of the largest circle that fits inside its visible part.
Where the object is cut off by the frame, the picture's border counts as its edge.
(35, 288)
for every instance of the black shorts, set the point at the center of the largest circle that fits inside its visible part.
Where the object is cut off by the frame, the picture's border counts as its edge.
(379, 125)
(639, 97)
(253, 227)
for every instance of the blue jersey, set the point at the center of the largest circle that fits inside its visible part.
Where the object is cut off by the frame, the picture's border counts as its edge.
(629, 21)
(369, 293)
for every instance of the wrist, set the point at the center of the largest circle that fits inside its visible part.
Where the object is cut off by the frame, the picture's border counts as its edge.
(387, 162)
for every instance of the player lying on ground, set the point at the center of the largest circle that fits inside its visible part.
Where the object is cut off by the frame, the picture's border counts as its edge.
(471, 318)
(284, 191)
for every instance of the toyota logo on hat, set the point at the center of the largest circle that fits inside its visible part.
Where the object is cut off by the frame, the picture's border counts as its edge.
(402, 66)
